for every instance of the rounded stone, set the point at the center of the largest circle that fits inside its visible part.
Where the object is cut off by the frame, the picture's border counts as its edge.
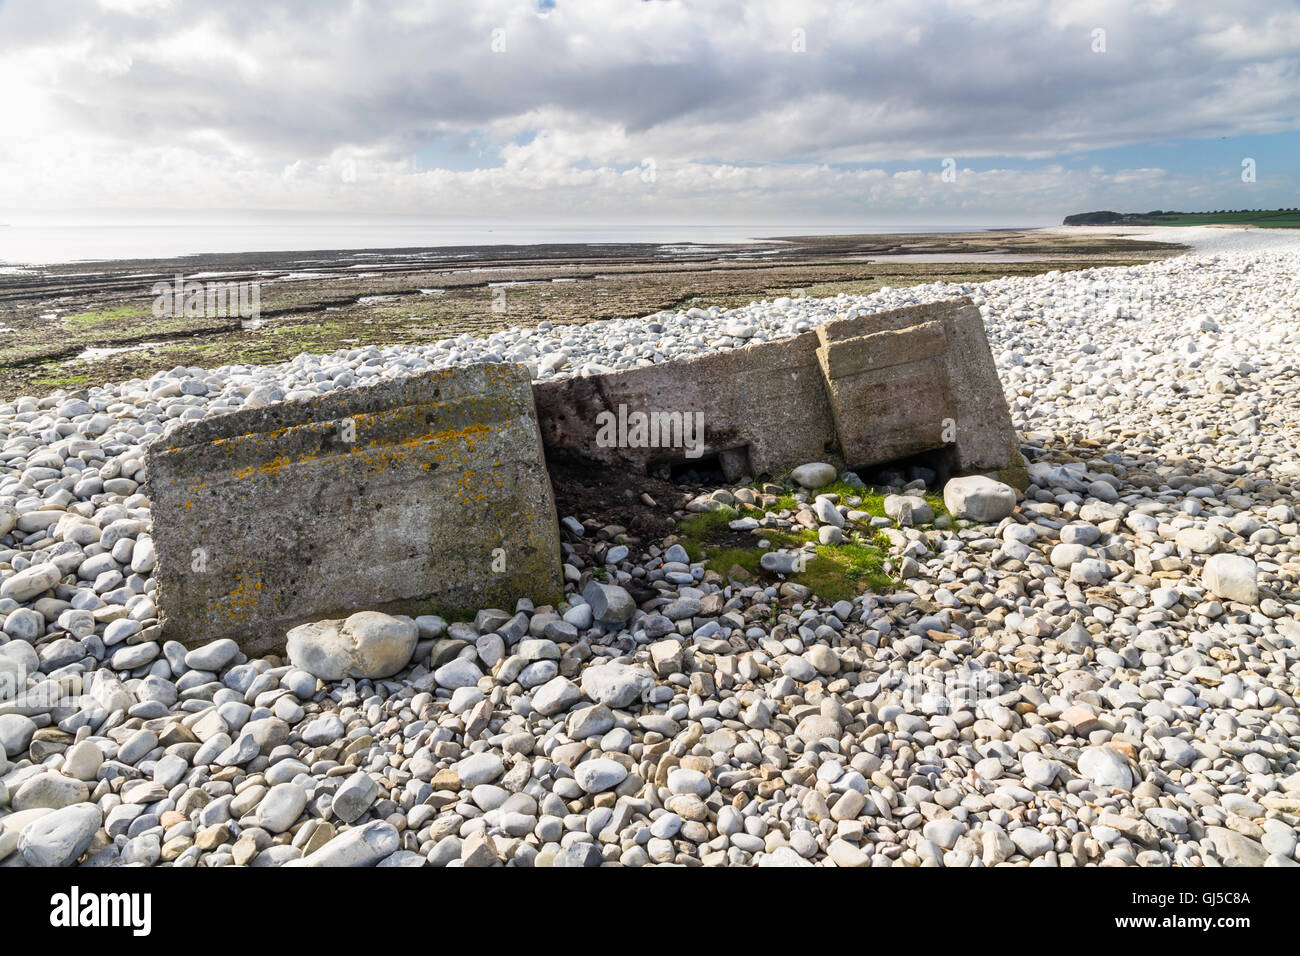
(60, 837)
(815, 474)
(15, 733)
(1106, 768)
(979, 499)
(366, 645)
(1232, 577)
(599, 774)
(281, 807)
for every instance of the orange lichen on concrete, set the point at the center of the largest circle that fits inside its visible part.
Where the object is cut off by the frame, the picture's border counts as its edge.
(272, 467)
(243, 598)
(379, 454)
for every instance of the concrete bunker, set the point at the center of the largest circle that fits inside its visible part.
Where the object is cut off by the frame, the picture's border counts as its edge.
(431, 494)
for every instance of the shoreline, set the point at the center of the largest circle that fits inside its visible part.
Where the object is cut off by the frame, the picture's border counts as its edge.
(457, 238)
(320, 301)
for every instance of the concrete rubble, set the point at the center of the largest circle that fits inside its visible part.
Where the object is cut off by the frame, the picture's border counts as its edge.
(411, 496)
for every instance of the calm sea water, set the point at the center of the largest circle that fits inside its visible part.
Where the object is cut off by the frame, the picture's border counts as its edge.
(36, 244)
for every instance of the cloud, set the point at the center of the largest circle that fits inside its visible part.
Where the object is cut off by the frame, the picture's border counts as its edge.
(531, 110)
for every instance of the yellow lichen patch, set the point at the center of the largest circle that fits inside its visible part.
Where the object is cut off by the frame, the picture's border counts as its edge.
(235, 441)
(272, 467)
(379, 454)
(242, 598)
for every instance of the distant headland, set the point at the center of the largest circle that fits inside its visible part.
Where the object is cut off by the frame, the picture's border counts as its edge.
(1268, 218)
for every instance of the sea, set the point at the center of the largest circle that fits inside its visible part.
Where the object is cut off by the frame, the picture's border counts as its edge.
(36, 243)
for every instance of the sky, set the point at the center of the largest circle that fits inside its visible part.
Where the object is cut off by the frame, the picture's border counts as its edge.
(1014, 112)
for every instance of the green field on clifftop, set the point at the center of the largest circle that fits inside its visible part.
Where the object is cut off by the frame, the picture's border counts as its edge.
(1264, 218)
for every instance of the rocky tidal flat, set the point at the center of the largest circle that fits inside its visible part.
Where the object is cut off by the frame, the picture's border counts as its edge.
(73, 326)
(1100, 670)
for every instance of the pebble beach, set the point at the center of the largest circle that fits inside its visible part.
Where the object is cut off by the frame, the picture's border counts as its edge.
(1101, 671)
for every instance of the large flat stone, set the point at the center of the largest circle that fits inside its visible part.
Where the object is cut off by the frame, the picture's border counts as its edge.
(421, 495)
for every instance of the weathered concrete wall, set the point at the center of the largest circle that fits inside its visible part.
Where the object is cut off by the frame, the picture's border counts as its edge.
(764, 408)
(986, 439)
(917, 379)
(889, 392)
(394, 497)
(856, 392)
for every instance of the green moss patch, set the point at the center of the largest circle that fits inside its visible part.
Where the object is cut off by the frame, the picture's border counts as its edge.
(93, 320)
(873, 504)
(837, 572)
(62, 381)
(705, 527)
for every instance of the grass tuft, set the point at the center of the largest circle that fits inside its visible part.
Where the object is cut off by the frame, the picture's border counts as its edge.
(705, 526)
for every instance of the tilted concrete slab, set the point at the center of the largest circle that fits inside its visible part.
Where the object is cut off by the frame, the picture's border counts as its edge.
(918, 379)
(889, 392)
(763, 409)
(858, 391)
(986, 438)
(418, 495)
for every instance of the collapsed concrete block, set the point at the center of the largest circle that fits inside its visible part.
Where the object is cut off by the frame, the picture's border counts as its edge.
(889, 392)
(419, 495)
(858, 392)
(918, 379)
(757, 409)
